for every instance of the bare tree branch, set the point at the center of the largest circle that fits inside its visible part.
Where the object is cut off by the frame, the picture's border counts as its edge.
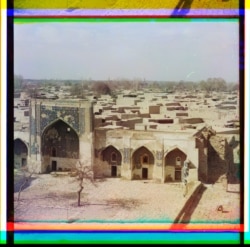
(84, 172)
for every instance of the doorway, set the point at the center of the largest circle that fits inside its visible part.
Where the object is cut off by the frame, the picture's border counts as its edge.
(54, 165)
(113, 171)
(144, 173)
(177, 174)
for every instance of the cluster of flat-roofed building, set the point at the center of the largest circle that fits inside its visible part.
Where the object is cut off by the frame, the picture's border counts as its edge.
(135, 135)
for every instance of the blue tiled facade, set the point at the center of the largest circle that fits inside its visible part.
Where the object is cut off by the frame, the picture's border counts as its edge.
(81, 123)
(32, 126)
(70, 115)
(33, 149)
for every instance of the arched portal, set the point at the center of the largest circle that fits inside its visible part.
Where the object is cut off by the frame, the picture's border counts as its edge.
(60, 146)
(142, 164)
(174, 161)
(114, 158)
(20, 153)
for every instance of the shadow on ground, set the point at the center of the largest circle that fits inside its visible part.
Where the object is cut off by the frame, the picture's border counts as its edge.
(186, 212)
(119, 203)
(123, 203)
(22, 183)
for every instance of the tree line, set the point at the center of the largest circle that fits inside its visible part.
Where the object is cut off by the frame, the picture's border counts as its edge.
(79, 88)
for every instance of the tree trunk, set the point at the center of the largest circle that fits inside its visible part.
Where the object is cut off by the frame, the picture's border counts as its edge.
(79, 196)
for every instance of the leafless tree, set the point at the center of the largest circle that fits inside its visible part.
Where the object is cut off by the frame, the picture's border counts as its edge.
(83, 173)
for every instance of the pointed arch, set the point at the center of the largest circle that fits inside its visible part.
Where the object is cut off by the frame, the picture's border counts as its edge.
(174, 161)
(20, 146)
(54, 122)
(143, 155)
(59, 139)
(175, 156)
(173, 148)
(142, 163)
(112, 155)
(20, 153)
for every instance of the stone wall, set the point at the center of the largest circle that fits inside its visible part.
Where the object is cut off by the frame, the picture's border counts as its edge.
(203, 158)
(62, 164)
(134, 144)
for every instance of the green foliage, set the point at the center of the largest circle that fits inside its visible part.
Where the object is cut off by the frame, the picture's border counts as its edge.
(101, 88)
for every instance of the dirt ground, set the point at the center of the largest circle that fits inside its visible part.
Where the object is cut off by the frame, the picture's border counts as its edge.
(48, 198)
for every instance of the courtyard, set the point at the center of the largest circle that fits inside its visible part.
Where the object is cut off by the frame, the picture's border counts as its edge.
(52, 198)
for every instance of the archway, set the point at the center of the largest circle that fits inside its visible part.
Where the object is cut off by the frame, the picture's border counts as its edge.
(20, 153)
(142, 164)
(60, 145)
(174, 161)
(114, 158)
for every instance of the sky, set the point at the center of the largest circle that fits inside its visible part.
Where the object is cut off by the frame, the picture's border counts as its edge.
(152, 50)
